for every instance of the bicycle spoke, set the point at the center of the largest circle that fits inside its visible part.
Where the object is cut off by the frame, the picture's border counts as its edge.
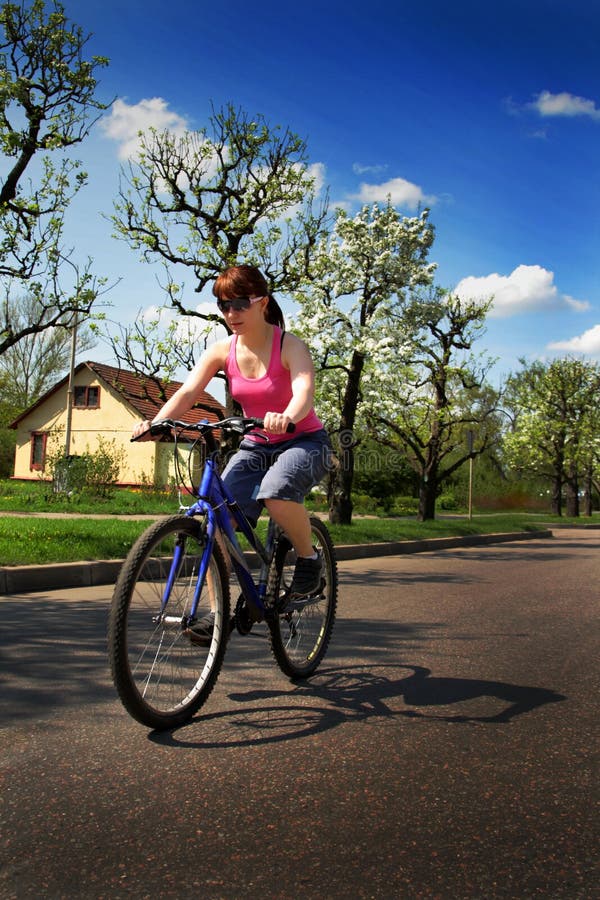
(300, 636)
(161, 675)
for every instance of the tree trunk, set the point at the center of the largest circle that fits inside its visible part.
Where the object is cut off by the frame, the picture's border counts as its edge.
(556, 499)
(340, 506)
(572, 498)
(340, 513)
(587, 496)
(340, 500)
(427, 495)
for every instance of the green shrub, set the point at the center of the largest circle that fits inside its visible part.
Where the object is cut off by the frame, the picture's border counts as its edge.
(364, 505)
(68, 473)
(103, 467)
(447, 501)
(93, 473)
(405, 506)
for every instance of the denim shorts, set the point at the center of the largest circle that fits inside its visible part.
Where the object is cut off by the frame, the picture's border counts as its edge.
(286, 470)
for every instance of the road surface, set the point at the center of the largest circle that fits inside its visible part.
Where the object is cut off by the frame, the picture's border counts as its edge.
(446, 748)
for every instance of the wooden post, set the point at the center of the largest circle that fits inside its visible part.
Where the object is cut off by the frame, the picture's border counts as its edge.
(470, 448)
(70, 390)
(470, 488)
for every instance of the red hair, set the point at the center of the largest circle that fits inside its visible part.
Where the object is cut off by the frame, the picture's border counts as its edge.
(248, 281)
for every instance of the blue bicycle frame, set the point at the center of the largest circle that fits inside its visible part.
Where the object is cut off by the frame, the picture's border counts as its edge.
(220, 510)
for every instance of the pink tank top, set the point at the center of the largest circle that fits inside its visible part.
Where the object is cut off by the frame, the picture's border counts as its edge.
(270, 393)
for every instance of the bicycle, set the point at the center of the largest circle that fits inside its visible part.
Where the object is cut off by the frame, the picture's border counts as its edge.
(176, 573)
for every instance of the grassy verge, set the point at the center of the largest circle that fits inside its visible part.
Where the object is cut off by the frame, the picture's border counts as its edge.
(38, 496)
(368, 531)
(30, 540)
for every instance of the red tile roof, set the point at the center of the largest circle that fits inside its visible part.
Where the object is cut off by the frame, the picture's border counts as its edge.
(143, 393)
(146, 394)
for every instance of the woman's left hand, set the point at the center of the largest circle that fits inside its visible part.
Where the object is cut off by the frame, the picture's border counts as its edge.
(276, 423)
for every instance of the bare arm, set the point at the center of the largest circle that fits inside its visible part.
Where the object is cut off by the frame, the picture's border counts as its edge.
(185, 397)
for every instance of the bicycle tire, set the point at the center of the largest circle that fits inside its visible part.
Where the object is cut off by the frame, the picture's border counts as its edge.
(162, 677)
(299, 639)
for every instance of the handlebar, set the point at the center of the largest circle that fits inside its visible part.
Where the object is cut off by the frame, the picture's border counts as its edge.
(237, 424)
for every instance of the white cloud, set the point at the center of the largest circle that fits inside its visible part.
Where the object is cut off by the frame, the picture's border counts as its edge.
(124, 123)
(317, 172)
(587, 343)
(198, 330)
(154, 313)
(576, 305)
(565, 104)
(359, 169)
(341, 204)
(526, 289)
(400, 192)
(187, 328)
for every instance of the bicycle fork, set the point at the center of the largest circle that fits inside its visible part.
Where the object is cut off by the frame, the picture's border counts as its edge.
(181, 622)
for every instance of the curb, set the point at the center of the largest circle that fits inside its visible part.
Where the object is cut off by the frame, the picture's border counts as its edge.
(393, 548)
(26, 579)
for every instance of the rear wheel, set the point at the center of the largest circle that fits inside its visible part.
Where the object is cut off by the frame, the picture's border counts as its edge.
(162, 673)
(299, 638)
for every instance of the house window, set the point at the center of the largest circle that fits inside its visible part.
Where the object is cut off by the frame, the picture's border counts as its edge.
(38, 451)
(87, 397)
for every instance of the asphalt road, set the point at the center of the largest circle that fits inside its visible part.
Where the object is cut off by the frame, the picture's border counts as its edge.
(446, 748)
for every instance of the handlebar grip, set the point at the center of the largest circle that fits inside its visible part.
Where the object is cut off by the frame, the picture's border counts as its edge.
(155, 430)
(260, 423)
(158, 428)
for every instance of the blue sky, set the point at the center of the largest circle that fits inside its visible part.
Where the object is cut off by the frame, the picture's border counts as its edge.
(487, 112)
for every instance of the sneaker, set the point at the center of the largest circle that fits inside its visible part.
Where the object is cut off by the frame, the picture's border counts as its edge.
(308, 577)
(201, 633)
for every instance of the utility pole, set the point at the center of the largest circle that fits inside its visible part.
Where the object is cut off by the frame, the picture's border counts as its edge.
(70, 388)
(470, 448)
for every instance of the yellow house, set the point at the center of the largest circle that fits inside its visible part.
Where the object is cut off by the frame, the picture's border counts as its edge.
(106, 402)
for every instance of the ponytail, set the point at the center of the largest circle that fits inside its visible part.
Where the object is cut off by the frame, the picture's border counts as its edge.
(273, 313)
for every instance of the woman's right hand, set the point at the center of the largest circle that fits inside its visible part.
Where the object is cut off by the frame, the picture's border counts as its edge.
(141, 431)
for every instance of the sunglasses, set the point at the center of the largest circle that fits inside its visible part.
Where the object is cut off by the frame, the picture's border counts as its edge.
(239, 304)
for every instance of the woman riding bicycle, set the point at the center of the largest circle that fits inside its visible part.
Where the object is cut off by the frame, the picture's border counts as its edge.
(271, 375)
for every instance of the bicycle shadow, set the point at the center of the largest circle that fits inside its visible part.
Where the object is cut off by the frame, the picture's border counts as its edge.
(358, 694)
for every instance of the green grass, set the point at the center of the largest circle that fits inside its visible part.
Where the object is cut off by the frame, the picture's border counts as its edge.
(368, 531)
(28, 541)
(37, 540)
(38, 496)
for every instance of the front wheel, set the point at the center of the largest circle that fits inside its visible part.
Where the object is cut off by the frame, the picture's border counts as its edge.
(162, 673)
(299, 639)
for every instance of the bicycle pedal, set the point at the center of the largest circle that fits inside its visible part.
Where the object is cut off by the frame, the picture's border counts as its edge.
(199, 640)
(242, 619)
(298, 603)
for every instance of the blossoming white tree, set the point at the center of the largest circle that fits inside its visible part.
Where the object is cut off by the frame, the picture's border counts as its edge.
(360, 278)
(436, 409)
